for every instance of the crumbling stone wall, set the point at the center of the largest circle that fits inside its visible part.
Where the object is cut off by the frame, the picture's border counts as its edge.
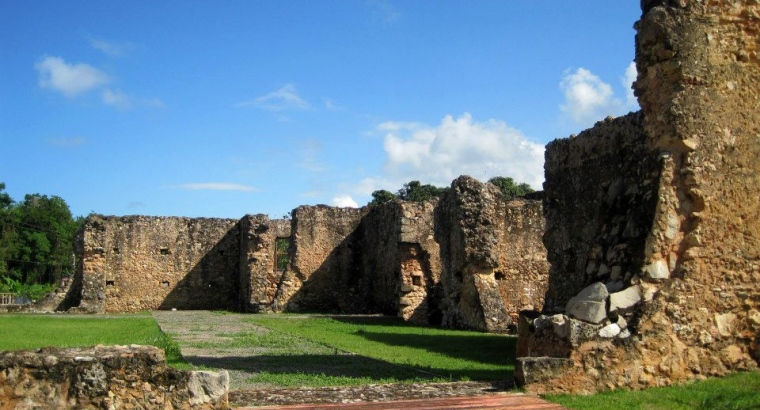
(325, 274)
(260, 279)
(471, 227)
(391, 258)
(139, 263)
(523, 271)
(688, 305)
(105, 377)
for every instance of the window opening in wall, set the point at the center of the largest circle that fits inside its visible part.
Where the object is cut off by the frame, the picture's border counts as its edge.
(110, 283)
(282, 254)
(164, 251)
(165, 284)
(417, 280)
(116, 251)
(499, 275)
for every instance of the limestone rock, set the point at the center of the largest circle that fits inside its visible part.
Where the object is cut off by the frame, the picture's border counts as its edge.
(611, 330)
(589, 304)
(658, 270)
(625, 299)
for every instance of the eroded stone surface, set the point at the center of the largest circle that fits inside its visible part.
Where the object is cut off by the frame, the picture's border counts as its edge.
(124, 377)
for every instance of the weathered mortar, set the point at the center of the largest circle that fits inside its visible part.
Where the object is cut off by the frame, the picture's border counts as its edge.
(471, 227)
(326, 264)
(381, 259)
(259, 278)
(123, 377)
(139, 263)
(691, 306)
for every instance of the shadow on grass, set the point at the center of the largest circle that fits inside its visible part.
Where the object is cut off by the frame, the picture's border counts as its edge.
(352, 366)
(330, 365)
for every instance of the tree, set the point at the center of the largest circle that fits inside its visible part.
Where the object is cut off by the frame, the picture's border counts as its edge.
(509, 189)
(36, 238)
(382, 196)
(416, 192)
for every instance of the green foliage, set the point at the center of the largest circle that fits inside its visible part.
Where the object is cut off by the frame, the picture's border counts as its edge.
(382, 196)
(509, 188)
(417, 192)
(36, 239)
(734, 392)
(282, 253)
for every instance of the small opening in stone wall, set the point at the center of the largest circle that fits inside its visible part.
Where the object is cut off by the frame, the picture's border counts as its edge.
(499, 275)
(282, 254)
(417, 280)
(116, 251)
(165, 284)
(163, 251)
(110, 283)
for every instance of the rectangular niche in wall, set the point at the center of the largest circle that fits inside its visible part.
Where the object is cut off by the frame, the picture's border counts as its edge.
(163, 251)
(110, 283)
(281, 254)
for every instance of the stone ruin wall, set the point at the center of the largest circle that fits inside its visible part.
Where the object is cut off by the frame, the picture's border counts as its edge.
(485, 241)
(260, 281)
(689, 306)
(105, 377)
(393, 259)
(137, 263)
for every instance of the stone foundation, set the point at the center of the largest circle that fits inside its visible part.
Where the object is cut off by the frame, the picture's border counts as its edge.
(104, 377)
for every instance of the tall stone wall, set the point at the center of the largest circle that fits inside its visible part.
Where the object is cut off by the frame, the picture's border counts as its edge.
(472, 229)
(139, 263)
(688, 305)
(326, 274)
(105, 377)
(470, 260)
(260, 280)
(523, 271)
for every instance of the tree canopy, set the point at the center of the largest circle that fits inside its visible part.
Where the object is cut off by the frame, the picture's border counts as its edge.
(413, 191)
(509, 188)
(36, 239)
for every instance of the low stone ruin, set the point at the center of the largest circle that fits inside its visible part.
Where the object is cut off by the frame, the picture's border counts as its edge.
(105, 377)
(468, 260)
(653, 219)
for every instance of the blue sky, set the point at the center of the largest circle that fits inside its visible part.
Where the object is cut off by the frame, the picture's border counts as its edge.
(226, 108)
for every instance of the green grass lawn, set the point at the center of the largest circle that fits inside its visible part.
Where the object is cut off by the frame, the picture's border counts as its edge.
(735, 392)
(35, 331)
(439, 353)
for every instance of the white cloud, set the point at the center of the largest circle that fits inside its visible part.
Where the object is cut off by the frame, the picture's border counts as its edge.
(116, 98)
(457, 146)
(628, 79)
(344, 201)
(218, 186)
(66, 142)
(109, 48)
(331, 106)
(69, 79)
(286, 98)
(587, 98)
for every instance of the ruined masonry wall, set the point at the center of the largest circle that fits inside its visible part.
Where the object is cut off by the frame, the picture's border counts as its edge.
(260, 280)
(326, 265)
(691, 308)
(123, 377)
(523, 270)
(471, 227)
(140, 263)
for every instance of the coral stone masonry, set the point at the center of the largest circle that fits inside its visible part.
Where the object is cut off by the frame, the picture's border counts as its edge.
(469, 260)
(653, 219)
